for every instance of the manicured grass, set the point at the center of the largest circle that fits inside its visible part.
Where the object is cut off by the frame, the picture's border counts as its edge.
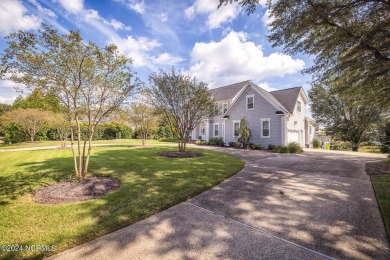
(381, 184)
(149, 184)
(58, 143)
(370, 149)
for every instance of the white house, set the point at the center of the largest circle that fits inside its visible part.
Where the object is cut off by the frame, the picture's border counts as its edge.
(276, 117)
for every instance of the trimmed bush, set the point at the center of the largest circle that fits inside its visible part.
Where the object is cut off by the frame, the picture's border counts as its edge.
(216, 141)
(256, 146)
(316, 143)
(235, 144)
(294, 148)
(271, 147)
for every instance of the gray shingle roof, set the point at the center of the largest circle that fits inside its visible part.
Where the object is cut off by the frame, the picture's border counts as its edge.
(287, 97)
(229, 91)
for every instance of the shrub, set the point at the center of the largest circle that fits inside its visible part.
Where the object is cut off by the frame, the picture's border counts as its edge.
(235, 144)
(385, 148)
(201, 142)
(216, 141)
(282, 149)
(316, 143)
(271, 147)
(294, 148)
(256, 146)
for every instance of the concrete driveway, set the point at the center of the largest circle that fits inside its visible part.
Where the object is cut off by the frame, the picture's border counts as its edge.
(317, 205)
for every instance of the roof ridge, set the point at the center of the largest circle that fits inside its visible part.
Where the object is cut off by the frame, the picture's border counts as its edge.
(231, 84)
(284, 89)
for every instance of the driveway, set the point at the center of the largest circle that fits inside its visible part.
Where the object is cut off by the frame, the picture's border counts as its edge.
(316, 205)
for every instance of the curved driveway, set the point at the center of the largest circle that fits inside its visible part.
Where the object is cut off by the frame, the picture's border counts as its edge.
(316, 205)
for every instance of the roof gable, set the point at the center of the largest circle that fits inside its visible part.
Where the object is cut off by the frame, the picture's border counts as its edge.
(288, 97)
(229, 91)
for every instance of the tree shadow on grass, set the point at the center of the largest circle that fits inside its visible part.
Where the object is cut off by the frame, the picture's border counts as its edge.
(149, 184)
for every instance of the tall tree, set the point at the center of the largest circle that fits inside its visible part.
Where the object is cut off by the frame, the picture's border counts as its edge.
(143, 118)
(89, 82)
(343, 117)
(4, 108)
(30, 120)
(182, 101)
(38, 100)
(349, 39)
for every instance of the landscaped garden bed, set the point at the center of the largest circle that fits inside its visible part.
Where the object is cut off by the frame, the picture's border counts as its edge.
(149, 183)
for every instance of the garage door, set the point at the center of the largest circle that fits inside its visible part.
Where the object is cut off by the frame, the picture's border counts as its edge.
(293, 137)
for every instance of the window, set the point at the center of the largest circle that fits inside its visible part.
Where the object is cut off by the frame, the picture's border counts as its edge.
(265, 128)
(250, 102)
(216, 130)
(202, 130)
(299, 106)
(236, 128)
(224, 107)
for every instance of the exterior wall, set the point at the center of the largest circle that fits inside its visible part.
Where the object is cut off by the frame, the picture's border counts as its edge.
(262, 109)
(296, 122)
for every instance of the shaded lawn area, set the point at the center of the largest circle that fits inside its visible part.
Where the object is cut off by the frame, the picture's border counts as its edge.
(58, 143)
(381, 184)
(149, 184)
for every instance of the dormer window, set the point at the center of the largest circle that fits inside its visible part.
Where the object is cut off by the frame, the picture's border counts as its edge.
(250, 102)
(299, 106)
(224, 107)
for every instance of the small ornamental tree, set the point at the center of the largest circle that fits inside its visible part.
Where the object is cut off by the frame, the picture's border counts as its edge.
(61, 125)
(143, 118)
(88, 81)
(30, 120)
(244, 133)
(182, 101)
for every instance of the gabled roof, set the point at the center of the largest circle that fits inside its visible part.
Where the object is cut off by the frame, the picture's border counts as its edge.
(229, 91)
(287, 97)
(262, 92)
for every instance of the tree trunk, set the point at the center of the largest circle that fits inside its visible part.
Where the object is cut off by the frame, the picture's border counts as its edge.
(355, 146)
(31, 138)
(85, 170)
(73, 152)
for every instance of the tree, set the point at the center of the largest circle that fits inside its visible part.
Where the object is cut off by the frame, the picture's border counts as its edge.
(30, 120)
(38, 100)
(182, 101)
(349, 39)
(143, 118)
(244, 133)
(4, 108)
(89, 82)
(343, 117)
(62, 127)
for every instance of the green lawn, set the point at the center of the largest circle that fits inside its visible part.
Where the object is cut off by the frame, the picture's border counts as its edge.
(149, 184)
(381, 184)
(58, 143)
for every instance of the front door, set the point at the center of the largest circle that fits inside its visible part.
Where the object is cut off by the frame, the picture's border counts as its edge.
(202, 132)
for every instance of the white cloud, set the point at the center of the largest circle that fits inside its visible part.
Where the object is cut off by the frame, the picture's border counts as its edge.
(267, 18)
(137, 48)
(7, 100)
(235, 59)
(117, 25)
(163, 17)
(139, 7)
(72, 6)
(167, 59)
(215, 16)
(13, 17)
(43, 10)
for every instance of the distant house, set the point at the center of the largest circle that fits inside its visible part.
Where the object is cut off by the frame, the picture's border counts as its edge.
(277, 117)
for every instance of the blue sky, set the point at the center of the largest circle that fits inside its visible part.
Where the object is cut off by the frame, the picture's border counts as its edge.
(219, 46)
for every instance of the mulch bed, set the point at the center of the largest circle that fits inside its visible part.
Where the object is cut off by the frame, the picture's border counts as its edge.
(378, 168)
(177, 154)
(72, 191)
